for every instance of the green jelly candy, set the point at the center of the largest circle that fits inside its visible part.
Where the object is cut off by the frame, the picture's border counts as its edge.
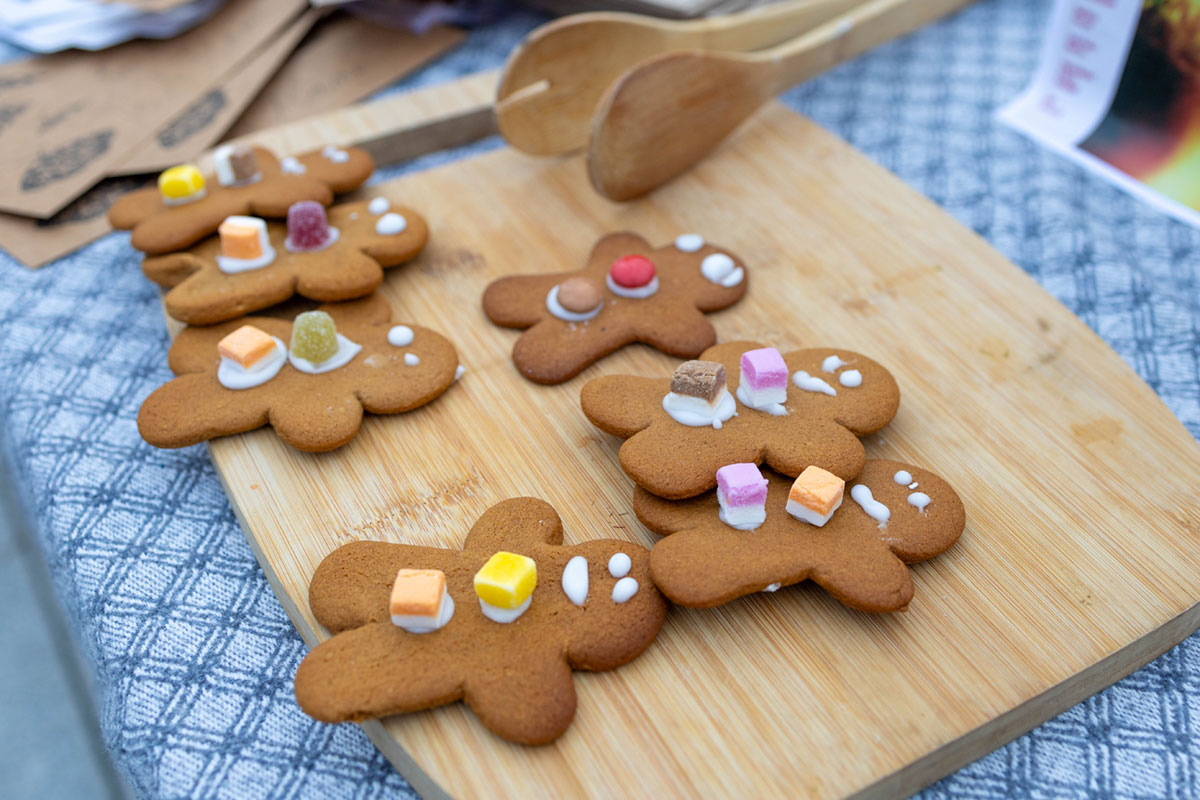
(314, 337)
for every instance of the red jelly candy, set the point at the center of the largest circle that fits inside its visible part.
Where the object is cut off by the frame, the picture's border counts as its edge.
(632, 272)
(307, 228)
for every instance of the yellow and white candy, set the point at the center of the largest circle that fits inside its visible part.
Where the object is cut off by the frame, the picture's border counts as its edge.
(181, 184)
(505, 586)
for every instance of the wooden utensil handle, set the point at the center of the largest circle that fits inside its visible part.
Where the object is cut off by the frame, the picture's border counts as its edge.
(767, 26)
(863, 27)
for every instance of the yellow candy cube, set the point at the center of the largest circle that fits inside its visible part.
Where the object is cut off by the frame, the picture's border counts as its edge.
(506, 580)
(181, 183)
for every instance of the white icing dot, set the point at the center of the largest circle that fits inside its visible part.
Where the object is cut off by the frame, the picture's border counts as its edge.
(379, 205)
(459, 371)
(390, 224)
(772, 587)
(400, 336)
(913, 485)
(292, 167)
(875, 509)
(412, 359)
(902, 477)
(575, 580)
(336, 155)
(716, 267)
(851, 378)
(619, 565)
(918, 500)
(689, 242)
(624, 589)
(832, 364)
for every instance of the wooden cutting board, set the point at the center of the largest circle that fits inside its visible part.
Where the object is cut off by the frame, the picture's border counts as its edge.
(1077, 566)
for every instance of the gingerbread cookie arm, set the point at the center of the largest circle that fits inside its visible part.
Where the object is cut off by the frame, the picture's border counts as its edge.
(829, 446)
(537, 681)
(612, 246)
(622, 404)
(161, 423)
(354, 271)
(518, 525)
(351, 585)
(172, 269)
(340, 175)
(709, 295)
(131, 208)
(374, 671)
(519, 301)
(392, 248)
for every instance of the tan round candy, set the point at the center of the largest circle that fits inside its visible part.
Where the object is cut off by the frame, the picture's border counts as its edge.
(579, 295)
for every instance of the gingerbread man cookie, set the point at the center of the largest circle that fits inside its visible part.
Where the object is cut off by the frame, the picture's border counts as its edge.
(256, 264)
(791, 410)
(310, 379)
(628, 292)
(186, 207)
(499, 625)
(758, 534)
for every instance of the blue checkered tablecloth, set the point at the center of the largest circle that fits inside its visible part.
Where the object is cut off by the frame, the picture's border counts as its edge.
(194, 657)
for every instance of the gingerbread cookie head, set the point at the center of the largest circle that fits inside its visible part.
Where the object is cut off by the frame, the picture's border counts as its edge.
(327, 255)
(186, 206)
(627, 292)
(311, 379)
(760, 533)
(499, 624)
(743, 403)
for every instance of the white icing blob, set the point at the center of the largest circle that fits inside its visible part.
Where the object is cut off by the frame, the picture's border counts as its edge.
(417, 624)
(233, 375)
(291, 166)
(459, 371)
(638, 293)
(379, 205)
(412, 359)
(913, 485)
(624, 589)
(746, 398)
(334, 234)
(400, 336)
(695, 413)
(689, 242)
(716, 267)
(875, 509)
(733, 278)
(555, 308)
(390, 224)
(918, 500)
(851, 378)
(575, 580)
(619, 565)
(346, 351)
(504, 615)
(902, 477)
(232, 266)
(810, 384)
(772, 587)
(832, 364)
(336, 155)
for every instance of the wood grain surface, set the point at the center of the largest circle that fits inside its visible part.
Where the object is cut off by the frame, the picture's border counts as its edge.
(1078, 563)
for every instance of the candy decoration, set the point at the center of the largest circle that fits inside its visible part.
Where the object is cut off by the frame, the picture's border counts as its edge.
(632, 272)
(235, 165)
(742, 495)
(307, 227)
(698, 395)
(419, 601)
(314, 337)
(815, 495)
(181, 184)
(764, 378)
(579, 295)
(246, 346)
(505, 586)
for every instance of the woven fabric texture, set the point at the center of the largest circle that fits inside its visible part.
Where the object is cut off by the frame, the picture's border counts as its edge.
(194, 656)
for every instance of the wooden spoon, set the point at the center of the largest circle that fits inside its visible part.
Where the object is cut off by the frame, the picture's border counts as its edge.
(667, 113)
(555, 79)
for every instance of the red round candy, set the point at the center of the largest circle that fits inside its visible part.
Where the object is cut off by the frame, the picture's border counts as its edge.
(632, 272)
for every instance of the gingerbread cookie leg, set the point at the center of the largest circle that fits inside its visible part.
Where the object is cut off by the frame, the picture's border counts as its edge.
(316, 423)
(345, 280)
(885, 586)
(537, 683)
(373, 671)
(677, 560)
(685, 335)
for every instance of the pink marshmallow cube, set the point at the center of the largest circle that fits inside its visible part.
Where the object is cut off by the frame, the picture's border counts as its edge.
(742, 485)
(764, 369)
(307, 227)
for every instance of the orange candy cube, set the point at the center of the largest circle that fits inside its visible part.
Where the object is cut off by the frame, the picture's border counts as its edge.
(818, 491)
(242, 237)
(247, 345)
(418, 593)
